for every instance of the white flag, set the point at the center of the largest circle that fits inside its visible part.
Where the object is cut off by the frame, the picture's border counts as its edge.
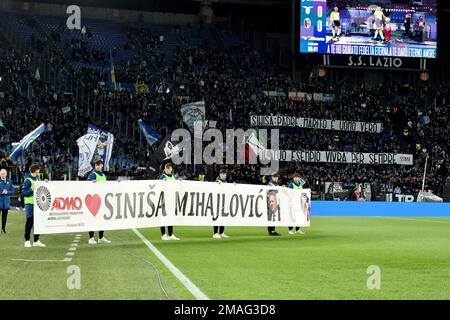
(87, 145)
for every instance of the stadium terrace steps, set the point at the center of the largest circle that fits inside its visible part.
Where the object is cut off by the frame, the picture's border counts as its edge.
(19, 24)
(107, 35)
(173, 36)
(103, 36)
(231, 39)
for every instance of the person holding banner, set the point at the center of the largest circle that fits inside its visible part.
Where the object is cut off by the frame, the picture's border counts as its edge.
(166, 176)
(29, 187)
(273, 183)
(219, 231)
(7, 189)
(97, 175)
(297, 183)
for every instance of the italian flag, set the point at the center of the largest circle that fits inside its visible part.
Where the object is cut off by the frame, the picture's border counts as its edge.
(253, 147)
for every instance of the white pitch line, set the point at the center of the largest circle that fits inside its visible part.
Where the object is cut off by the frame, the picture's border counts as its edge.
(420, 220)
(73, 247)
(198, 294)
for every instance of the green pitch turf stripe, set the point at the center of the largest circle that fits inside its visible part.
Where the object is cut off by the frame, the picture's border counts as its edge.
(196, 292)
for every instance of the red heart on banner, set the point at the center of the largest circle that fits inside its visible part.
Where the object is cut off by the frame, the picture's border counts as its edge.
(93, 203)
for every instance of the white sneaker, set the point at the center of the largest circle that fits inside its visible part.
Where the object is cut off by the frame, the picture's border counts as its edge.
(300, 232)
(103, 240)
(39, 244)
(223, 235)
(217, 236)
(27, 244)
(165, 237)
(92, 241)
(291, 232)
(173, 237)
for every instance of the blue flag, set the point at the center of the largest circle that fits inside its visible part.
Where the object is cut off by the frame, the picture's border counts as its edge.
(151, 135)
(105, 145)
(26, 141)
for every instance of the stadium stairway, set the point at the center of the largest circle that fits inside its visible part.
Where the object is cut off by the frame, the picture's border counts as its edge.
(138, 45)
(227, 39)
(17, 30)
(41, 30)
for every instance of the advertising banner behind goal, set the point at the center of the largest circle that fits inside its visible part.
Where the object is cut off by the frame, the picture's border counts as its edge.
(81, 206)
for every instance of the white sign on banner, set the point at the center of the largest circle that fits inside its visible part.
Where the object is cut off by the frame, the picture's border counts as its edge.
(81, 206)
(311, 123)
(338, 157)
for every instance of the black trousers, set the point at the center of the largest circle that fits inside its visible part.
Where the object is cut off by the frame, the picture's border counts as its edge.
(169, 230)
(219, 230)
(28, 227)
(100, 234)
(271, 229)
(4, 219)
(296, 228)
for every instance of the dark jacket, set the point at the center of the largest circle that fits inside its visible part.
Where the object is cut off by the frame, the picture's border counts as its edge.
(5, 199)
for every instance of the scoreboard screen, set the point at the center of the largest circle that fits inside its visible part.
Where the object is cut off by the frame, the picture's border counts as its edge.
(393, 28)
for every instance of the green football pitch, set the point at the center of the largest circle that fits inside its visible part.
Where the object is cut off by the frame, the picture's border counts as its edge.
(330, 262)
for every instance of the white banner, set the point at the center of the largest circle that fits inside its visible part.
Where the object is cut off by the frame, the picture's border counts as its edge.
(311, 123)
(273, 93)
(303, 96)
(323, 97)
(338, 157)
(80, 206)
(86, 146)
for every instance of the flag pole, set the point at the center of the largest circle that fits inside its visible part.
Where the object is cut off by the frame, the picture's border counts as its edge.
(424, 173)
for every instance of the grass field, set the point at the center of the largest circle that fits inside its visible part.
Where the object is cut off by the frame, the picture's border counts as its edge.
(329, 262)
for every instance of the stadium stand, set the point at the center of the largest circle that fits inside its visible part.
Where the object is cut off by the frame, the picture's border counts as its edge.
(178, 61)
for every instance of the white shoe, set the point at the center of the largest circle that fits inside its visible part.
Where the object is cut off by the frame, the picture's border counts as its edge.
(173, 237)
(165, 237)
(300, 232)
(291, 232)
(27, 244)
(223, 235)
(103, 240)
(39, 244)
(92, 241)
(217, 236)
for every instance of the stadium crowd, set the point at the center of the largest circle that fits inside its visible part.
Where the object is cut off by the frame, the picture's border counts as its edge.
(232, 83)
